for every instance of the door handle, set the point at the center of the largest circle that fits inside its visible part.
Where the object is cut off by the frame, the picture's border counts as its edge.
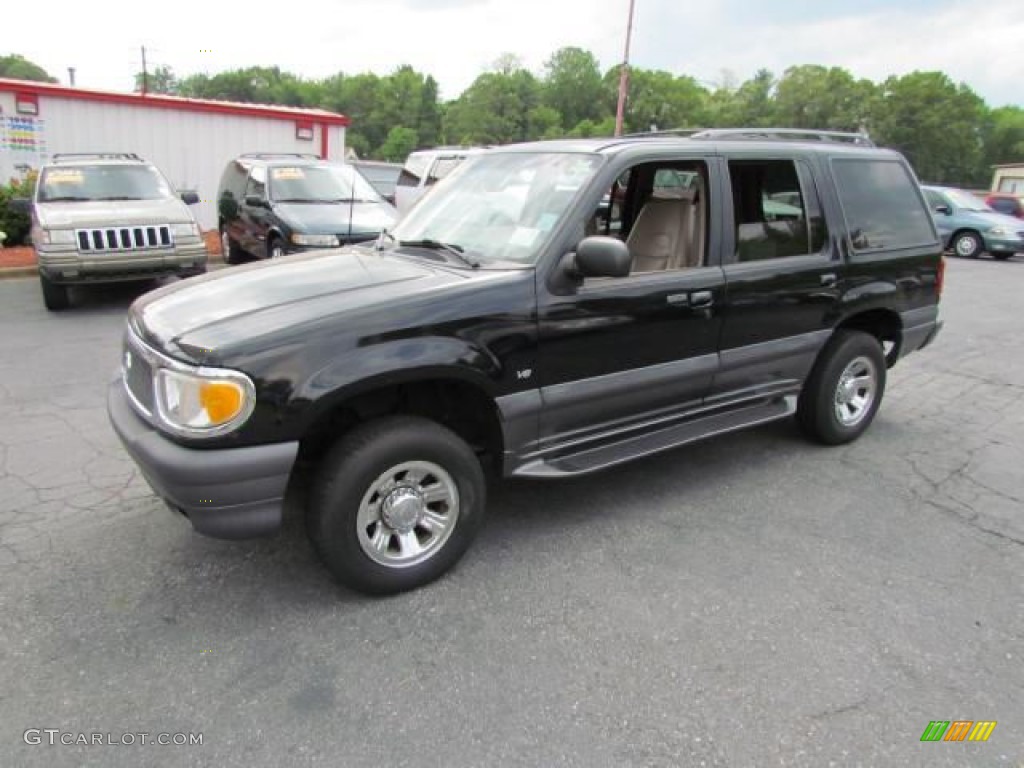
(828, 280)
(701, 299)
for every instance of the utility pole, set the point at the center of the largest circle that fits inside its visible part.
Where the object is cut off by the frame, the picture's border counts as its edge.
(145, 73)
(624, 74)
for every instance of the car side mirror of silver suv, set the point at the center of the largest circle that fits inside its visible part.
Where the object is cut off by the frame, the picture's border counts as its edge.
(189, 197)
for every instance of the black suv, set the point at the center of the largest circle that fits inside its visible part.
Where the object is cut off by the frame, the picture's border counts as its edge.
(551, 309)
(272, 204)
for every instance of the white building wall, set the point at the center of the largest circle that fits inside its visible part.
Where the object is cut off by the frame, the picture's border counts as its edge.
(191, 148)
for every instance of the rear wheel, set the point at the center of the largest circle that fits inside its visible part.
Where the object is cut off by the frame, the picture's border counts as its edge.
(395, 504)
(842, 395)
(55, 296)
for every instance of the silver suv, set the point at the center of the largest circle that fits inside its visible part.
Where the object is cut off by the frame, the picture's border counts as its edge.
(110, 217)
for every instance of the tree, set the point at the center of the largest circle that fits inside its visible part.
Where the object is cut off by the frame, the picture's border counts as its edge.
(17, 67)
(495, 109)
(657, 98)
(572, 86)
(400, 142)
(812, 96)
(1004, 136)
(160, 80)
(935, 123)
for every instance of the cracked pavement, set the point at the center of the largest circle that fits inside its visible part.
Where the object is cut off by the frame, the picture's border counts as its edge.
(748, 601)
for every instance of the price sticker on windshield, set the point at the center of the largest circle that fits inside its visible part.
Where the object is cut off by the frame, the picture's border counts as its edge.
(284, 174)
(64, 176)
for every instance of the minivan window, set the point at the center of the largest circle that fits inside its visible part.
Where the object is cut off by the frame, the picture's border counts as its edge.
(319, 184)
(257, 182)
(102, 182)
(881, 204)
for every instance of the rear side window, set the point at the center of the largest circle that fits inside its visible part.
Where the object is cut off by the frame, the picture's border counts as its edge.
(881, 204)
(412, 172)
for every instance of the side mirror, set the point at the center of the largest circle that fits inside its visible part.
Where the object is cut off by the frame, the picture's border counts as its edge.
(189, 197)
(600, 256)
(255, 201)
(944, 209)
(20, 205)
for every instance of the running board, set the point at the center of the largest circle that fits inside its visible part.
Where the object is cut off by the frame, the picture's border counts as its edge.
(614, 452)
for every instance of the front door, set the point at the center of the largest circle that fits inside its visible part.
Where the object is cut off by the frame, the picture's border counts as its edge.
(254, 218)
(617, 353)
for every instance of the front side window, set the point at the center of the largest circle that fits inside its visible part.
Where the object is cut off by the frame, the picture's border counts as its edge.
(257, 186)
(500, 206)
(776, 208)
(80, 183)
(320, 184)
(881, 205)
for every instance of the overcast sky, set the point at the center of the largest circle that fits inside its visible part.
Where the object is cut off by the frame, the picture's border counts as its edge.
(975, 41)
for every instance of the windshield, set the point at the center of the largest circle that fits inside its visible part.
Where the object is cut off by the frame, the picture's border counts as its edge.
(967, 201)
(500, 206)
(82, 183)
(320, 184)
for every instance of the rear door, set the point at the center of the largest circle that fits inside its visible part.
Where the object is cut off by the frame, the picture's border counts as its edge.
(782, 272)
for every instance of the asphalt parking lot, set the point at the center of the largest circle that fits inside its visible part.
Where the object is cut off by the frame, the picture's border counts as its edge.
(749, 601)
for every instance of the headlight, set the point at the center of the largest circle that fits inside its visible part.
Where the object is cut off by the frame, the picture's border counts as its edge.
(57, 236)
(323, 241)
(206, 403)
(185, 229)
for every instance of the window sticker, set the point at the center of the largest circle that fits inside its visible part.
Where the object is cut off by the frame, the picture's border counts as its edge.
(283, 174)
(64, 176)
(524, 236)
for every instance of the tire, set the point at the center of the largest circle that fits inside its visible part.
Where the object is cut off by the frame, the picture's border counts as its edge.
(1002, 256)
(832, 412)
(193, 272)
(366, 503)
(55, 296)
(275, 249)
(967, 245)
(230, 250)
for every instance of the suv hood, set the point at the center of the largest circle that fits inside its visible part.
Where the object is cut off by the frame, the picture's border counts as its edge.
(103, 213)
(988, 220)
(196, 317)
(333, 218)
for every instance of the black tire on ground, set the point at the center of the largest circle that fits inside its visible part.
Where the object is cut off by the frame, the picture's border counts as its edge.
(230, 250)
(967, 245)
(193, 272)
(55, 296)
(1001, 256)
(832, 412)
(274, 245)
(349, 479)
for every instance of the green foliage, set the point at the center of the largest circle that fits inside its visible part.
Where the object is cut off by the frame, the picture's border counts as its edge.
(495, 109)
(399, 143)
(1004, 136)
(14, 224)
(572, 86)
(826, 99)
(160, 80)
(17, 67)
(935, 123)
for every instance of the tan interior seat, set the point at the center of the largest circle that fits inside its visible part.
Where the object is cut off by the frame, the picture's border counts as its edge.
(667, 234)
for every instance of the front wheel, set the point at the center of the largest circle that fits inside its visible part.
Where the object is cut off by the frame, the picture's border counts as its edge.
(55, 296)
(230, 250)
(842, 395)
(967, 245)
(1002, 256)
(275, 248)
(395, 504)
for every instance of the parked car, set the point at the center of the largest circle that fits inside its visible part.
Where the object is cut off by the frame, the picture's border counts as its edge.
(489, 333)
(383, 176)
(423, 169)
(969, 226)
(109, 217)
(1011, 205)
(273, 204)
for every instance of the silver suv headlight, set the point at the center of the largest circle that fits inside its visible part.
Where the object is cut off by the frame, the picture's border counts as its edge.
(55, 236)
(185, 229)
(323, 241)
(205, 402)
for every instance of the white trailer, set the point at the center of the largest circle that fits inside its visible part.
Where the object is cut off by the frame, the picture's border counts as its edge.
(190, 140)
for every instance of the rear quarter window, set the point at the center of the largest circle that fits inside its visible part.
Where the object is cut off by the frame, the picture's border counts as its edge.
(881, 205)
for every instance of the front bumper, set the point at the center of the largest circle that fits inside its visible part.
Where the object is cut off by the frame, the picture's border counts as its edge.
(226, 493)
(67, 265)
(1004, 244)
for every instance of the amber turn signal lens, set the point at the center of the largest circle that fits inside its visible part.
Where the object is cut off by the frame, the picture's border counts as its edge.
(222, 400)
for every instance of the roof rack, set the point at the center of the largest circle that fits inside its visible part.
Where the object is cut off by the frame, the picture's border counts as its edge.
(267, 155)
(682, 132)
(786, 134)
(98, 155)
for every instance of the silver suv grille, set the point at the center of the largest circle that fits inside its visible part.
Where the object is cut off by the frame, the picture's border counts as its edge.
(124, 238)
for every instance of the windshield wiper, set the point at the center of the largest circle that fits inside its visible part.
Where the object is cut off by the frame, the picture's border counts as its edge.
(452, 249)
(120, 197)
(65, 199)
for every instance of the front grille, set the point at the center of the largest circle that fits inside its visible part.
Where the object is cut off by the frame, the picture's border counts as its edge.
(138, 375)
(125, 238)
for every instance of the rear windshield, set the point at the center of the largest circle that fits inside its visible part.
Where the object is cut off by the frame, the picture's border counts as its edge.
(83, 183)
